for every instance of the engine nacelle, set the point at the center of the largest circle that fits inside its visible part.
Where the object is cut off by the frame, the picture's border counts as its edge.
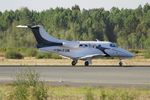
(71, 44)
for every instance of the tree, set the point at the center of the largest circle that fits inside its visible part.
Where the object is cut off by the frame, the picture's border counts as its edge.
(124, 26)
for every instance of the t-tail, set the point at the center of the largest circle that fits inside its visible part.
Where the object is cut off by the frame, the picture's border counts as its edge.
(42, 37)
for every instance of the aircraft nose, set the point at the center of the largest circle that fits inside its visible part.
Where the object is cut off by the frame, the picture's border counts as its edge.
(130, 55)
(126, 54)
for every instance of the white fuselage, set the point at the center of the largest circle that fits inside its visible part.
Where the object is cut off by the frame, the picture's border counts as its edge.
(84, 50)
(89, 48)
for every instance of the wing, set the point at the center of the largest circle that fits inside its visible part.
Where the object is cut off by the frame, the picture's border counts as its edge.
(92, 55)
(64, 57)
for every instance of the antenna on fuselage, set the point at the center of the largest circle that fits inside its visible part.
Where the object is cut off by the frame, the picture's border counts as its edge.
(97, 40)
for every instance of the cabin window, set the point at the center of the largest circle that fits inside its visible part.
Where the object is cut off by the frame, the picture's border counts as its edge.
(113, 45)
(94, 46)
(99, 45)
(81, 45)
(86, 45)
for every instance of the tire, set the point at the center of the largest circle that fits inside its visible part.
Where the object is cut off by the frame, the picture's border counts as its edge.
(120, 64)
(86, 63)
(74, 63)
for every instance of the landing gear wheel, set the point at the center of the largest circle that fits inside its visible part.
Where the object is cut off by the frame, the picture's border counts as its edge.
(86, 63)
(120, 64)
(74, 62)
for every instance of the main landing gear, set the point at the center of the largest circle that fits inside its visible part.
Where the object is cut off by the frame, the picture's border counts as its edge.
(74, 62)
(86, 63)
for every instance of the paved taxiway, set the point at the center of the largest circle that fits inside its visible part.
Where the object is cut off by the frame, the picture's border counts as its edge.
(126, 76)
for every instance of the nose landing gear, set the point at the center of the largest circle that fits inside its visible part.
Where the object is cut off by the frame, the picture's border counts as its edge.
(120, 63)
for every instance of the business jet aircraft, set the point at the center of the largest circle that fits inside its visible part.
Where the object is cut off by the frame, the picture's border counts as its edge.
(77, 50)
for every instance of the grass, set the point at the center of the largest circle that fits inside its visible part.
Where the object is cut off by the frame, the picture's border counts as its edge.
(34, 61)
(27, 86)
(86, 93)
(147, 54)
(13, 55)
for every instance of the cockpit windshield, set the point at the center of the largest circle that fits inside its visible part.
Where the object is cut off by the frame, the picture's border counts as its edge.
(113, 45)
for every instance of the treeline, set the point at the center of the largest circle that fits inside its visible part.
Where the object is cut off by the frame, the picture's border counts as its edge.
(130, 28)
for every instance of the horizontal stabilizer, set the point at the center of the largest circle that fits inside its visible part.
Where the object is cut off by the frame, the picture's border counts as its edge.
(64, 57)
(22, 26)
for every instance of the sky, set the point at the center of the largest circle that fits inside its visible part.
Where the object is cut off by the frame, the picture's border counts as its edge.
(40, 5)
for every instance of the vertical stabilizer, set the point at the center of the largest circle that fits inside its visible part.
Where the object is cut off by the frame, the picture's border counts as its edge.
(42, 37)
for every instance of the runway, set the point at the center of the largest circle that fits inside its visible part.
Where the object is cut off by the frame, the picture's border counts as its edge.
(81, 76)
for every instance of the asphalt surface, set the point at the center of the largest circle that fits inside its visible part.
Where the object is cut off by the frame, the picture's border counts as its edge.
(81, 76)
